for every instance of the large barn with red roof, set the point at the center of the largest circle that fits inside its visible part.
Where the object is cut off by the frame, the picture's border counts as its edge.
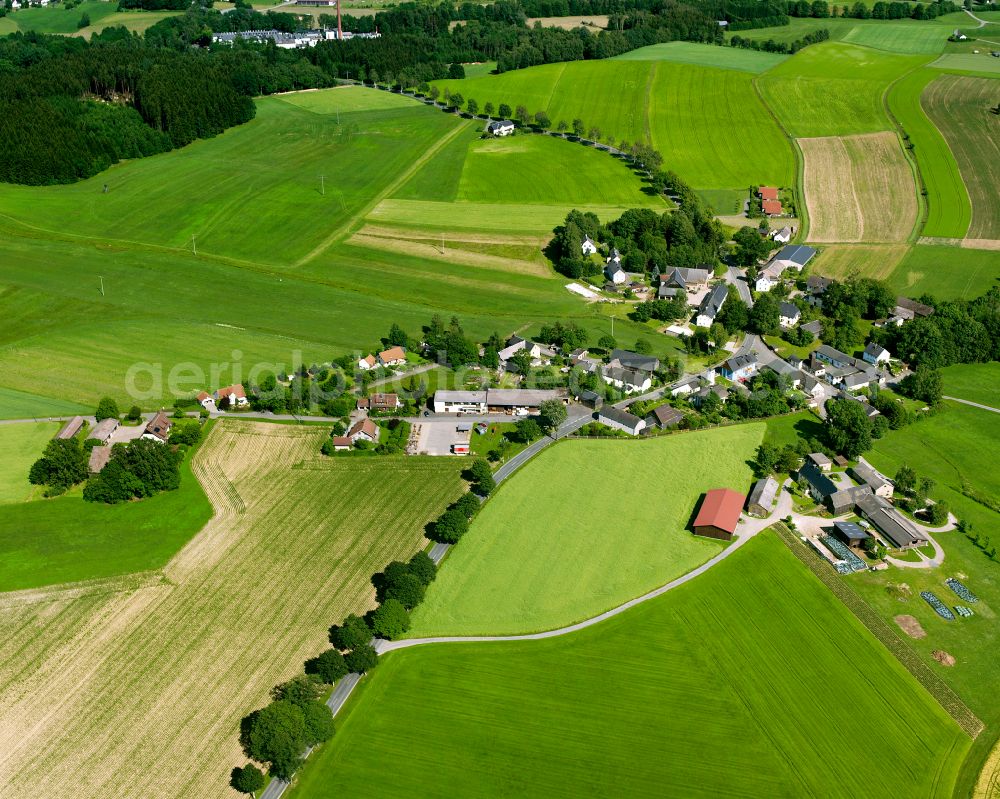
(719, 514)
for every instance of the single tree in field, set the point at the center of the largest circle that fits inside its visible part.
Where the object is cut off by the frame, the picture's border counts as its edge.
(527, 430)
(522, 115)
(542, 120)
(504, 111)
(551, 414)
(435, 93)
(488, 109)
(643, 347)
(607, 342)
(134, 413)
(578, 128)
(457, 101)
(906, 479)
(594, 134)
(107, 408)
(562, 127)
(248, 779)
(472, 106)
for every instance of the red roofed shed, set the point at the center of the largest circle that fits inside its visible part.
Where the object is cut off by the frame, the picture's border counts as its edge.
(719, 514)
(768, 193)
(771, 207)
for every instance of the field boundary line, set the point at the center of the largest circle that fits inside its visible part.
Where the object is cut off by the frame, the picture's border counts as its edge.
(800, 162)
(923, 208)
(343, 229)
(61, 592)
(949, 701)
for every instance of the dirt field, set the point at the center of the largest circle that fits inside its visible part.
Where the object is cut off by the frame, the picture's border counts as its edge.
(568, 23)
(139, 692)
(858, 188)
(910, 626)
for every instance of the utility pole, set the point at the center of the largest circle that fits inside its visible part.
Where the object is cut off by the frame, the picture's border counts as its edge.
(102, 284)
(194, 245)
(322, 185)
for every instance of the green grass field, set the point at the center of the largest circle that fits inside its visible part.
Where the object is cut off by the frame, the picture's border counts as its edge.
(960, 107)
(952, 448)
(62, 540)
(708, 123)
(948, 208)
(705, 55)
(834, 89)
(740, 683)
(976, 382)
(59, 19)
(338, 298)
(559, 543)
(968, 62)
(946, 272)
(907, 37)
(22, 445)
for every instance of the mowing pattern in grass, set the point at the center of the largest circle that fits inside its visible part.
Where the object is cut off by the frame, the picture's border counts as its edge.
(708, 123)
(858, 188)
(558, 544)
(144, 698)
(24, 405)
(948, 208)
(653, 703)
(871, 260)
(64, 540)
(22, 445)
(946, 272)
(833, 89)
(706, 55)
(960, 107)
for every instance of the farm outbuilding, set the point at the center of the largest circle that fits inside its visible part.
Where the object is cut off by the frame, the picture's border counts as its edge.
(762, 496)
(719, 514)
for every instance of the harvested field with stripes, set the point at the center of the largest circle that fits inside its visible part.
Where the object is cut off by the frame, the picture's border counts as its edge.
(139, 693)
(858, 188)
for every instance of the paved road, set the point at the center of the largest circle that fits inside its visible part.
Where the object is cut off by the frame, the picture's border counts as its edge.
(336, 701)
(973, 404)
(438, 551)
(575, 422)
(737, 277)
(982, 22)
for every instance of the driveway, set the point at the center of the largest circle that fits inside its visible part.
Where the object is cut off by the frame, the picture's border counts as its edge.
(738, 277)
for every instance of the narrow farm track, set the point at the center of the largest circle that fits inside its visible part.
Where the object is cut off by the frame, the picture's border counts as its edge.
(138, 694)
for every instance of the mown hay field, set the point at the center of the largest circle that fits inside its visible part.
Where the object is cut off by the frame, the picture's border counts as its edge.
(961, 108)
(833, 89)
(708, 123)
(22, 445)
(946, 272)
(738, 683)
(139, 694)
(902, 36)
(560, 542)
(705, 55)
(858, 188)
(948, 208)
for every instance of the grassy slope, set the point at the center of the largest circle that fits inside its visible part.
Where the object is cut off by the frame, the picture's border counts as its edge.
(59, 19)
(953, 446)
(705, 55)
(968, 62)
(946, 272)
(341, 300)
(25, 405)
(562, 541)
(899, 36)
(541, 169)
(737, 684)
(948, 208)
(977, 382)
(49, 541)
(960, 106)
(708, 123)
(834, 89)
(266, 171)
(22, 444)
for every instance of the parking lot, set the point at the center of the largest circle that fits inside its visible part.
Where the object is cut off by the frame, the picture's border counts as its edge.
(436, 436)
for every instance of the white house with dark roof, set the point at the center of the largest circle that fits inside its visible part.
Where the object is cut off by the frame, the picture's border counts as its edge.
(621, 420)
(783, 236)
(711, 305)
(634, 360)
(739, 367)
(588, 247)
(614, 273)
(628, 380)
(789, 314)
(875, 354)
(500, 127)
